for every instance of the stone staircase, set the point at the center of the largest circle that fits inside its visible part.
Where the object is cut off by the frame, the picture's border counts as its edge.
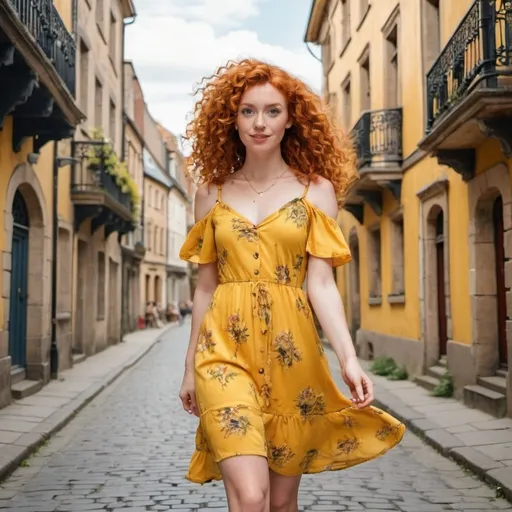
(22, 387)
(489, 394)
(433, 376)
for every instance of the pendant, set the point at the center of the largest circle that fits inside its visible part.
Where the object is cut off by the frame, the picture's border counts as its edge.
(259, 193)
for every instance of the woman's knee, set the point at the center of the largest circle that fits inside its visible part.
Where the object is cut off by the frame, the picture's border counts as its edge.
(283, 502)
(253, 498)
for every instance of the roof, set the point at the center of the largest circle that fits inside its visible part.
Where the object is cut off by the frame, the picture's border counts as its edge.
(316, 17)
(151, 170)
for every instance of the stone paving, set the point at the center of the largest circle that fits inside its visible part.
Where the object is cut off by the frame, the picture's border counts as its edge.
(129, 448)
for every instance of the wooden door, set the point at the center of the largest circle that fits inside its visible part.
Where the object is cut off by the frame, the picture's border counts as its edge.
(501, 299)
(441, 296)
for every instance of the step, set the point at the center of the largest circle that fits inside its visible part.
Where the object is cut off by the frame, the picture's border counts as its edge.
(485, 400)
(436, 371)
(442, 362)
(17, 375)
(498, 384)
(25, 388)
(502, 373)
(427, 382)
(78, 358)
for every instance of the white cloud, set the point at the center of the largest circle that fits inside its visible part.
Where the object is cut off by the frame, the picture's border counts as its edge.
(172, 54)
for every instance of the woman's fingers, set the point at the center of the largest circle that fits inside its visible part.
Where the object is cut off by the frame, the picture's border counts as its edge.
(368, 391)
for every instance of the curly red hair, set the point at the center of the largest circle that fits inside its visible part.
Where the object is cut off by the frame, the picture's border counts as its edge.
(313, 146)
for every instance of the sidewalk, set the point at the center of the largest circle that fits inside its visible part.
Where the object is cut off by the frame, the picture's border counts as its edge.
(26, 424)
(473, 438)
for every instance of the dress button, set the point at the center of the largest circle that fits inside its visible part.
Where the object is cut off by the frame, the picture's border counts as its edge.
(261, 370)
(256, 272)
(256, 255)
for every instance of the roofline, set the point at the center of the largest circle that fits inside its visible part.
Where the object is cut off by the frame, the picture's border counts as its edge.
(167, 186)
(128, 9)
(316, 16)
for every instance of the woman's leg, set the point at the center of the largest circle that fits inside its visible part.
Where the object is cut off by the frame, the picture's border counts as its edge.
(284, 493)
(246, 480)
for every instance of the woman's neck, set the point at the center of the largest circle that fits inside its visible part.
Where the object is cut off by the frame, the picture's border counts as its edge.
(262, 168)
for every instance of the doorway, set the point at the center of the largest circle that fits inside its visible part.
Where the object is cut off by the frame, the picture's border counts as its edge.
(440, 278)
(19, 283)
(499, 266)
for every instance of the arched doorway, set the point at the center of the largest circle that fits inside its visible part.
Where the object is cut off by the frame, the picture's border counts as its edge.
(19, 283)
(499, 267)
(147, 289)
(440, 281)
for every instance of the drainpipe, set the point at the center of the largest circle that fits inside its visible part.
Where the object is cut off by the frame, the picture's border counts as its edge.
(54, 350)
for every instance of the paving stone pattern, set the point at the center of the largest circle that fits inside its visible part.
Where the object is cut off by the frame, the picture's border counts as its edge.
(129, 449)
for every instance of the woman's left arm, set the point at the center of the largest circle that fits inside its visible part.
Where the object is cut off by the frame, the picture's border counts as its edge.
(328, 306)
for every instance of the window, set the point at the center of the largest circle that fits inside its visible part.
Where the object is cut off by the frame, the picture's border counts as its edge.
(364, 62)
(345, 23)
(346, 104)
(84, 77)
(431, 33)
(112, 40)
(64, 271)
(98, 104)
(374, 261)
(397, 256)
(100, 301)
(391, 32)
(155, 240)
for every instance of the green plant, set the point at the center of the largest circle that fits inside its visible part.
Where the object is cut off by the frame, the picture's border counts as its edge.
(383, 366)
(399, 373)
(99, 154)
(445, 387)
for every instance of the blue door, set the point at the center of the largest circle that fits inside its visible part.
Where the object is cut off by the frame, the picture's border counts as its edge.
(19, 278)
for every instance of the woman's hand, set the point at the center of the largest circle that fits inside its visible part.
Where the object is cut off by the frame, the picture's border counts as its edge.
(358, 382)
(188, 393)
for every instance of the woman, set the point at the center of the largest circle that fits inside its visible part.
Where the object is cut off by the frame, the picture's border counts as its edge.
(273, 168)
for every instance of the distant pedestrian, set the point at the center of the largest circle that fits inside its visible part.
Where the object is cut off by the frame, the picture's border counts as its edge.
(255, 373)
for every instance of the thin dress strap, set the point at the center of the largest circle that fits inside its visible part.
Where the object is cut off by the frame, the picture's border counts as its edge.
(219, 192)
(306, 188)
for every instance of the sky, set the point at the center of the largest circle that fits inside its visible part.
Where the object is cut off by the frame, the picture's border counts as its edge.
(173, 44)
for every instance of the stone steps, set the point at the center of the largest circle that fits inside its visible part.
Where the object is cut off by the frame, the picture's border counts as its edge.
(25, 388)
(496, 383)
(427, 382)
(485, 399)
(78, 358)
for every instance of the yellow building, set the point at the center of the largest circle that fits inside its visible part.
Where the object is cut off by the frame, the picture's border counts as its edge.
(423, 85)
(37, 106)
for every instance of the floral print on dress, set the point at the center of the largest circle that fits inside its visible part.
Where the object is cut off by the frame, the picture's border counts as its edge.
(205, 342)
(222, 259)
(237, 331)
(310, 403)
(302, 306)
(279, 455)
(282, 274)
(296, 212)
(386, 431)
(201, 443)
(245, 230)
(308, 460)
(232, 421)
(347, 446)
(263, 303)
(200, 242)
(287, 352)
(222, 374)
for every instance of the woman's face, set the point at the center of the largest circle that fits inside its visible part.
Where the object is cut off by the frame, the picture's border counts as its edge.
(262, 118)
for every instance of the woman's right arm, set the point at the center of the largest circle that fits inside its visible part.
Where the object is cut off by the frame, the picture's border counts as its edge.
(207, 282)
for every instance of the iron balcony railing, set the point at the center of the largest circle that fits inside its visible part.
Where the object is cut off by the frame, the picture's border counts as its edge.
(479, 52)
(91, 172)
(378, 136)
(46, 26)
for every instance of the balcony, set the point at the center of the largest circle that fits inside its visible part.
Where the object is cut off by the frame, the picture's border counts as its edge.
(378, 137)
(469, 88)
(98, 191)
(37, 62)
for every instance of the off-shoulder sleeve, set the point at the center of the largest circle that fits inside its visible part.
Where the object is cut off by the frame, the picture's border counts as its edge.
(199, 246)
(325, 239)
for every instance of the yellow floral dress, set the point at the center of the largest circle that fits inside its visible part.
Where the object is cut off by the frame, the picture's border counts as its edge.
(263, 384)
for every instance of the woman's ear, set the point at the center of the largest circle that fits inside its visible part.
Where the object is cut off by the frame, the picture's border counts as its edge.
(288, 124)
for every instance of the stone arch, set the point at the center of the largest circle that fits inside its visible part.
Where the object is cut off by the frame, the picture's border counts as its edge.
(434, 204)
(483, 191)
(25, 180)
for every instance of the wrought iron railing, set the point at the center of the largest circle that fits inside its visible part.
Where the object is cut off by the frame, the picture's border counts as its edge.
(378, 136)
(46, 26)
(91, 172)
(479, 52)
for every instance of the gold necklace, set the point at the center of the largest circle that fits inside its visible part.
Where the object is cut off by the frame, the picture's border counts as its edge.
(268, 188)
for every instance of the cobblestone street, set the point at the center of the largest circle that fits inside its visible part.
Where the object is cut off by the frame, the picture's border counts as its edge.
(128, 450)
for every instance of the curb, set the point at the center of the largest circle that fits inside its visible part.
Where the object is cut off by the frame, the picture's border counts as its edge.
(58, 420)
(485, 468)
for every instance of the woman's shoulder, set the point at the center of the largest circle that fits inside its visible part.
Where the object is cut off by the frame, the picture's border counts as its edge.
(321, 195)
(205, 198)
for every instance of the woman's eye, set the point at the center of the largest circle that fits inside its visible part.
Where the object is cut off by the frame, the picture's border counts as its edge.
(275, 112)
(246, 111)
